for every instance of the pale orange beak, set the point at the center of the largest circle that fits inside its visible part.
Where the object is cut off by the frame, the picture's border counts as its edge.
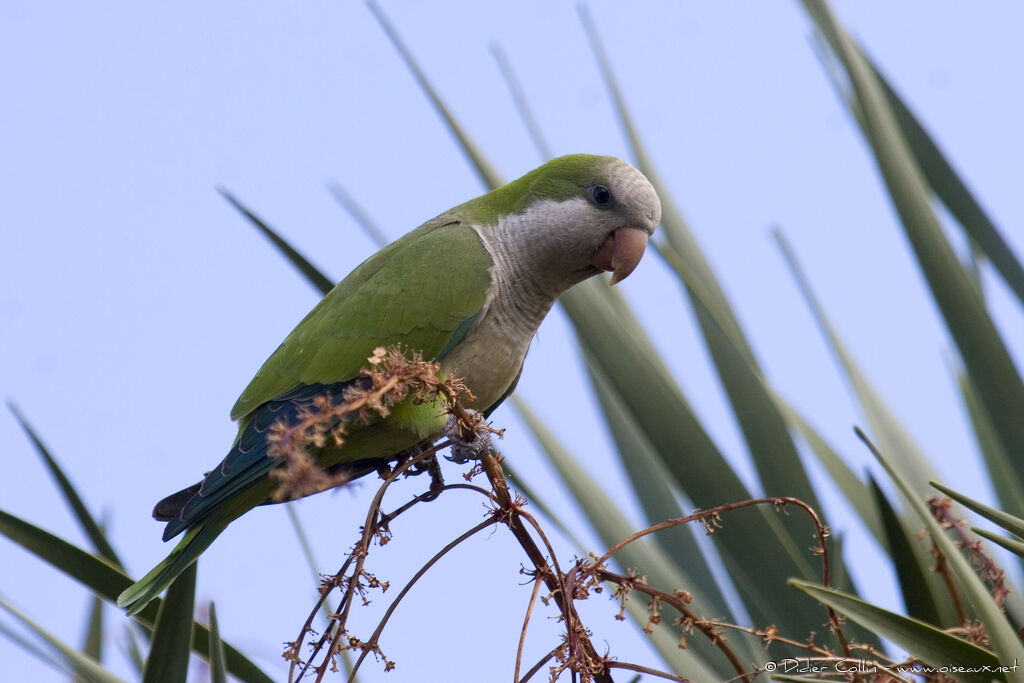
(621, 252)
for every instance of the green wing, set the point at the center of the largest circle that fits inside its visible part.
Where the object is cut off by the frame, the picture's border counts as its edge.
(420, 291)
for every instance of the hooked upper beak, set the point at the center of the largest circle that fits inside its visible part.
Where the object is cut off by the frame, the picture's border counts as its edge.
(621, 252)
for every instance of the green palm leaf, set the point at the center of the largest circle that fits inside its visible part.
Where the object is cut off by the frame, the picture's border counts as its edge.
(986, 358)
(931, 645)
(171, 640)
(109, 581)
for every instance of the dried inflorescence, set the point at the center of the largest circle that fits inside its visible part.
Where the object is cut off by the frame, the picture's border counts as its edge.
(941, 508)
(390, 379)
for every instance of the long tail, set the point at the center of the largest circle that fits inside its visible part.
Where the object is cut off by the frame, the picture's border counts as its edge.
(135, 598)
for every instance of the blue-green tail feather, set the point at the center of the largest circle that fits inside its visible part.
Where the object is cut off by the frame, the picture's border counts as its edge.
(247, 462)
(135, 598)
(204, 510)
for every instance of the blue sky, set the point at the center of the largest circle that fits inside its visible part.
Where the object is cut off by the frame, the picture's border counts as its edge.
(135, 303)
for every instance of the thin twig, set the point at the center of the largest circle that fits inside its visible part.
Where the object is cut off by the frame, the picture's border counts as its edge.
(372, 642)
(536, 667)
(368, 531)
(361, 551)
(576, 653)
(526, 623)
(942, 509)
(943, 570)
(648, 670)
(708, 627)
(494, 474)
(821, 531)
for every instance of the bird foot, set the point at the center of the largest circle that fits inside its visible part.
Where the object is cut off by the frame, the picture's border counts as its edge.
(436, 478)
(469, 442)
(421, 467)
(428, 465)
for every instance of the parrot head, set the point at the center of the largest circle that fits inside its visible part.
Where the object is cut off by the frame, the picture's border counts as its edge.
(571, 218)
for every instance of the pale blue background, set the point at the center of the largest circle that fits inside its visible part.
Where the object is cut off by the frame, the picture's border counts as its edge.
(135, 303)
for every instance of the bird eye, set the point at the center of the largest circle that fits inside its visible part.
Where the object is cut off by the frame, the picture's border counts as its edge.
(601, 195)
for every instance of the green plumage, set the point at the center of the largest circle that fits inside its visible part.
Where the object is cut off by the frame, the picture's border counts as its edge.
(410, 293)
(557, 180)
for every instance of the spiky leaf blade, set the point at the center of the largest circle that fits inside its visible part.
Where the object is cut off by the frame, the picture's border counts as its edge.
(85, 667)
(487, 172)
(108, 581)
(951, 189)
(923, 598)
(931, 645)
(1001, 634)
(985, 356)
(1012, 523)
(1009, 490)
(84, 518)
(651, 480)
(316, 278)
(218, 665)
(856, 492)
(884, 424)
(171, 640)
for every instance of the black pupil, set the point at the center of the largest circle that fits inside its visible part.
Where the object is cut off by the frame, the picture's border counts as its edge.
(601, 194)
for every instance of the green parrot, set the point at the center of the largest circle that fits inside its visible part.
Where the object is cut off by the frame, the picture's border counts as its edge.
(468, 288)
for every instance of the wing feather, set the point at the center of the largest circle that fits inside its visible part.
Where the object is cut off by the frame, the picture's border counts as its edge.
(422, 291)
(417, 292)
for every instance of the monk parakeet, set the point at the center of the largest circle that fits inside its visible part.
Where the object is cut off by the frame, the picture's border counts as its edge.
(468, 288)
